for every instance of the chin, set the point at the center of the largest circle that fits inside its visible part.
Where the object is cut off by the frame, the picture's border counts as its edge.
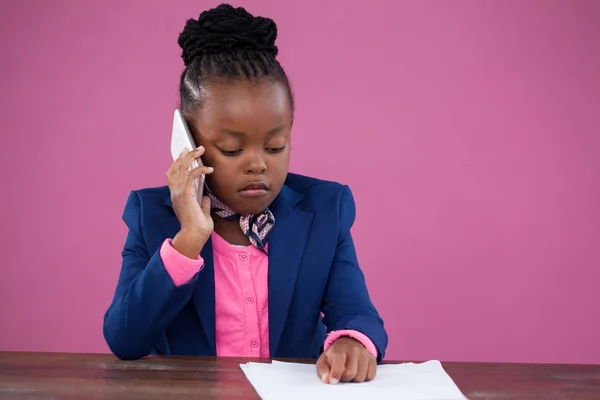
(252, 206)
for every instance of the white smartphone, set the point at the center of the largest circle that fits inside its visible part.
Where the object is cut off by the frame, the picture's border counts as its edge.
(182, 139)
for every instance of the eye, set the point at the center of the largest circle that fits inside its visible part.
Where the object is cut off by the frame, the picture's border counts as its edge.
(230, 153)
(275, 149)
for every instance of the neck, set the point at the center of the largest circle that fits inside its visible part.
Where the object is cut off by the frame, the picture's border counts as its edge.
(230, 231)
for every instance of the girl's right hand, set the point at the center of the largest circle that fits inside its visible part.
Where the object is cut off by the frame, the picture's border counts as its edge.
(195, 220)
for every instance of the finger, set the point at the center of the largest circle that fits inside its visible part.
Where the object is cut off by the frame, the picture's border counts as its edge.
(351, 366)
(205, 205)
(183, 168)
(193, 155)
(174, 168)
(195, 174)
(372, 369)
(198, 171)
(337, 361)
(323, 368)
(180, 158)
(362, 370)
(185, 164)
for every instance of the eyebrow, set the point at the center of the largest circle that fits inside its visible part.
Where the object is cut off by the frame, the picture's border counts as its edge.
(239, 134)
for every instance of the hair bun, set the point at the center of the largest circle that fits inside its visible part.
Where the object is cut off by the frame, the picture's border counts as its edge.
(225, 29)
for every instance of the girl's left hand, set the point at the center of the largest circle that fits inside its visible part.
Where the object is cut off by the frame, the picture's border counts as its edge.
(346, 360)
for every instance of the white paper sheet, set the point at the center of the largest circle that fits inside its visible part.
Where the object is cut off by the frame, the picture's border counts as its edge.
(423, 381)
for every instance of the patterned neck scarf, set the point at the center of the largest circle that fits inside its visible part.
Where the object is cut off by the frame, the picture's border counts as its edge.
(256, 227)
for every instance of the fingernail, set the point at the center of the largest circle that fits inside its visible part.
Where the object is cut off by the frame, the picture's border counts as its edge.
(323, 378)
(333, 381)
(199, 147)
(210, 168)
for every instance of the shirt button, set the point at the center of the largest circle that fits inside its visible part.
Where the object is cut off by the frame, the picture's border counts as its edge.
(249, 299)
(254, 344)
(243, 256)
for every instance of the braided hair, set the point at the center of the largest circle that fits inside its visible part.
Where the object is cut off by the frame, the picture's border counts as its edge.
(226, 43)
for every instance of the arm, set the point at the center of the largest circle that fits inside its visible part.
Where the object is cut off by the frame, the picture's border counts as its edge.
(346, 303)
(147, 296)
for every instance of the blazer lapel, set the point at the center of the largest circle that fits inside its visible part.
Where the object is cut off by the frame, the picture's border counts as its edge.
(286, 247)
(204, 289)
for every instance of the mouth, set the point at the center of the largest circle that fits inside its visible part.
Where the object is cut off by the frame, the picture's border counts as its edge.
(254, 189)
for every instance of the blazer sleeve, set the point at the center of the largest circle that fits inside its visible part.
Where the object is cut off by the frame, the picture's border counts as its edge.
(346, 302)
(146, 298)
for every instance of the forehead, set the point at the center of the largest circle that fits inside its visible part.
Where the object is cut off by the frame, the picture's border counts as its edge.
(244, 105)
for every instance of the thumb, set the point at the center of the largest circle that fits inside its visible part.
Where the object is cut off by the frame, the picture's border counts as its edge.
(323, 368)
(205, 205)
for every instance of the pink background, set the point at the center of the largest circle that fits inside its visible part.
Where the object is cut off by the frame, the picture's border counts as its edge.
(468, 131)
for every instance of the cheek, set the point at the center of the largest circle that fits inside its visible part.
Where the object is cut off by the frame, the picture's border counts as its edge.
(216, 160)
(208, 158)
(226, 172)
(219, 181)
(224, 169)
(280, 164)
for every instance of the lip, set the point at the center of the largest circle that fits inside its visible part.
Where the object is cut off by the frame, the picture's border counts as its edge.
(255, 189)
(255, 186)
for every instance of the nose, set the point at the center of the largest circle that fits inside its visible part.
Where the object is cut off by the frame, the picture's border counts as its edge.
(256, 164)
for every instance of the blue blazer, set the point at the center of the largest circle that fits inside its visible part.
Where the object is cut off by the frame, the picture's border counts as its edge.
(312, 269)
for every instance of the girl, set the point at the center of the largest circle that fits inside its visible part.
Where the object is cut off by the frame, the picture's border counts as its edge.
(265, 266)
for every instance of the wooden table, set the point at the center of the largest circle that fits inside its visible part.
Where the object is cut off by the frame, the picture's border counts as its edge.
(102, 376)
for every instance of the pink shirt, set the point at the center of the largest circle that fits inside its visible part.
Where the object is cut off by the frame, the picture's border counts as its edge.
(241, 297)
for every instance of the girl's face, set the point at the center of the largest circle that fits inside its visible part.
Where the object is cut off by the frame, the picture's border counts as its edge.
(245, 127)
